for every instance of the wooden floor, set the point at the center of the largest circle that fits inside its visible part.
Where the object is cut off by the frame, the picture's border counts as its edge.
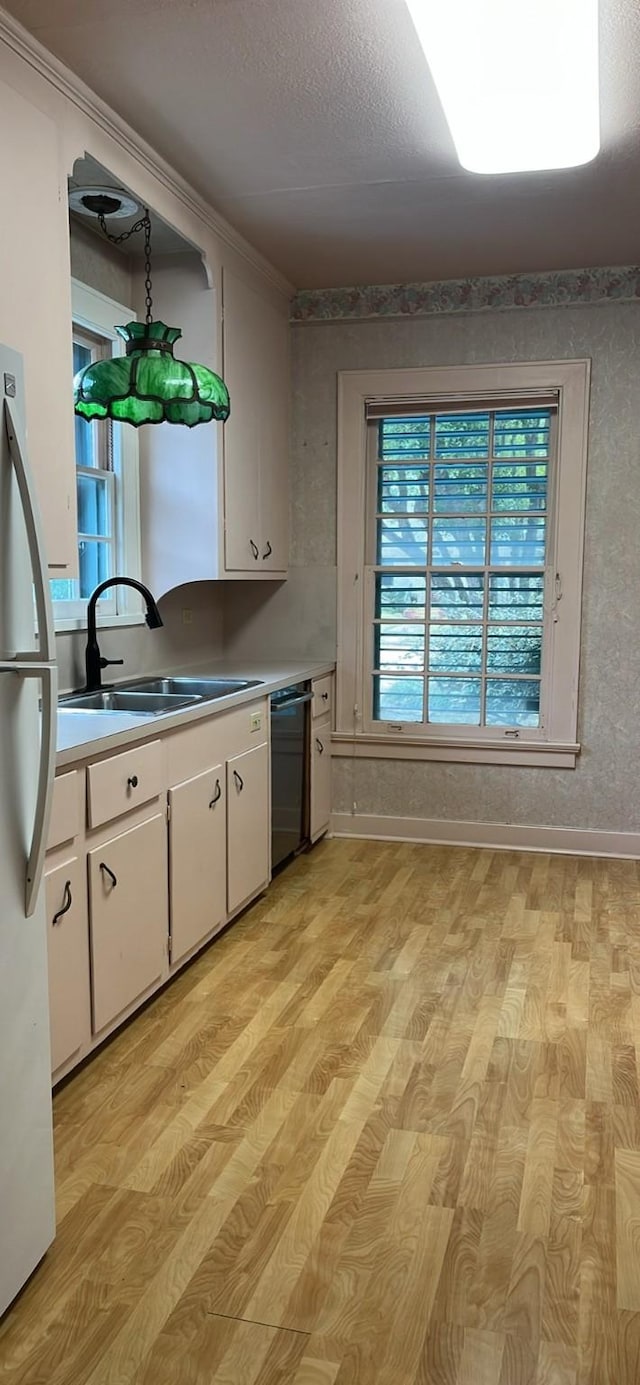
(385, 1132)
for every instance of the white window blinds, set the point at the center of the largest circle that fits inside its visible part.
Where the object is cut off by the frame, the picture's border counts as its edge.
(458, 539)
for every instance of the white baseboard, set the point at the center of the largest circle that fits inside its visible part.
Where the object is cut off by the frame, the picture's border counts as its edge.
(500, 836)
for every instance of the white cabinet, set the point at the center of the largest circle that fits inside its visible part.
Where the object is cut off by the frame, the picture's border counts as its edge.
(68, 952)
(169, 860)
(224, 487)
(35, 309)
(181, 497)
(197, 859)
(320, 777)
(129, 917)
(256, 436)
(248, 819)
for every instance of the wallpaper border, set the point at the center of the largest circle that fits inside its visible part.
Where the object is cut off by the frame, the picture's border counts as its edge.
(570, 286)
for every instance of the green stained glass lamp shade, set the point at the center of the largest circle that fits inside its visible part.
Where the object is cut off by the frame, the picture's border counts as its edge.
(148, 385)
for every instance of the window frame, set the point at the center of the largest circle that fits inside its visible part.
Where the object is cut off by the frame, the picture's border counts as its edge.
(554, 743)
(94, 313)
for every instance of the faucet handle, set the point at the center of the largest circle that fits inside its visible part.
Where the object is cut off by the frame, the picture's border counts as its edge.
(105, 663)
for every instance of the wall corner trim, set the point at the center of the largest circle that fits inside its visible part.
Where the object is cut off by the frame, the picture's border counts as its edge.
(498, 836)
(29, 48)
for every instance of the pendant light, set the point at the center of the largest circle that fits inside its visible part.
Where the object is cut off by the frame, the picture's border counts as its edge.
(147, 385)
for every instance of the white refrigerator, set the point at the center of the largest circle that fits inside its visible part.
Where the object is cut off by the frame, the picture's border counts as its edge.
(28, 699)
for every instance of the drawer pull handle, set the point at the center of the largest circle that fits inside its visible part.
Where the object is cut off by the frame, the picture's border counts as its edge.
(239, 780)
(217, 795)
(67, 901)
(320, 746)
(325, 696)
(132, 782)
(107, 870)
(254, 549)
(268, 550)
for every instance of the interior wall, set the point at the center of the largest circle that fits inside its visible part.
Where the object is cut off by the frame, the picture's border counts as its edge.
(176, 645)
(602, 791)
(97, 263)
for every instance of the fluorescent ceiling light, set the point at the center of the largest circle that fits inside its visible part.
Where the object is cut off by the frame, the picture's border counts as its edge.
(518, 79)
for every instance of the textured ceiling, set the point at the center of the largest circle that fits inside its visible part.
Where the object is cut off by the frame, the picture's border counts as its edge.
(313, 126)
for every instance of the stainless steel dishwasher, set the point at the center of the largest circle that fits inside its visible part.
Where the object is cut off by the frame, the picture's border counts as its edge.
(289, 771)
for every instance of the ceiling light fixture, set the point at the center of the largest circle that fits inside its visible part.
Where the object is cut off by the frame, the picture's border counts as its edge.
(147, 385)
(518, 79)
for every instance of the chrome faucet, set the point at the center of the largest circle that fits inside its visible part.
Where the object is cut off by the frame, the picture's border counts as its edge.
(94, 662)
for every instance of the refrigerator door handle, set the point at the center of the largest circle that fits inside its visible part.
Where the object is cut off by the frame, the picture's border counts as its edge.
(48, 674)
(46, 652)
(44, 798)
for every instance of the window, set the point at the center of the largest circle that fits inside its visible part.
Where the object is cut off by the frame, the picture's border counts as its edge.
(460, 626)
(106, 478)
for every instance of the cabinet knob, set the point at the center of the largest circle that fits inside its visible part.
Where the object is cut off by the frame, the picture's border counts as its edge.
(239, 780)
(319, 746)
(254, 549)
(325, 696)
(132, 782)
(107, 871)
(268, 551)
(67, 901)
(217, 795)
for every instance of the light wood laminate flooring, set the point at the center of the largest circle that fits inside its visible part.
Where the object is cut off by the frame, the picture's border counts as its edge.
(386, 1131)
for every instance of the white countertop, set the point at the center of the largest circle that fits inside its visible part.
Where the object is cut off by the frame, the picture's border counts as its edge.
(82, 734)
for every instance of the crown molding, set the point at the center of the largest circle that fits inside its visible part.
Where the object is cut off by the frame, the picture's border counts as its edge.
(558, 288)
(29, 48)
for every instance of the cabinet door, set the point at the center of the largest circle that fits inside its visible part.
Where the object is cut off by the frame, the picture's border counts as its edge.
(320, 777)
(256, 435)
(248, 819)
(129, 917)
(197, 859)
(35, 309)
(274, 452)
(68, 951)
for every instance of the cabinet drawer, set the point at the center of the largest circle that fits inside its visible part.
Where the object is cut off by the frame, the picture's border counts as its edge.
(123, 782)
(322, 689)
(65, 811)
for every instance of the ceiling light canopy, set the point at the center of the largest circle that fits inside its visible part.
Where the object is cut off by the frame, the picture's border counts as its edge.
(518, 79)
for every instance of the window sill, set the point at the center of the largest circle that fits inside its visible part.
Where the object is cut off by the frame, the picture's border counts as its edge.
(70, 623)
(541, 754)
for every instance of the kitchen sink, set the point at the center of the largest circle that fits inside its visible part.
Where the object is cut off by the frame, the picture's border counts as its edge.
(143, 702)
(204, 689)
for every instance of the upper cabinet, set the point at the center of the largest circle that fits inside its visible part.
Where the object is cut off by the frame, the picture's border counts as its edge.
(215, 499)
(256, 436)
(35, 309)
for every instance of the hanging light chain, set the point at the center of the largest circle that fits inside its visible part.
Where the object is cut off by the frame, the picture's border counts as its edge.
(147, 270)
(144, 224)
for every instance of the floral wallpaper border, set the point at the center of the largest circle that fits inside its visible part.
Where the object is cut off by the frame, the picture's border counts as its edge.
(620, 284)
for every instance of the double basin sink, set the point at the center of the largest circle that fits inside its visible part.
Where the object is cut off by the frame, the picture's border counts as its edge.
(155, 696)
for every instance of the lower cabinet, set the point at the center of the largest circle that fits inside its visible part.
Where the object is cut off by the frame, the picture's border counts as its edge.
(248, 820)
(129, 917)
(197, 859)
(68, 953)
(320, 777)
(150, 852)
